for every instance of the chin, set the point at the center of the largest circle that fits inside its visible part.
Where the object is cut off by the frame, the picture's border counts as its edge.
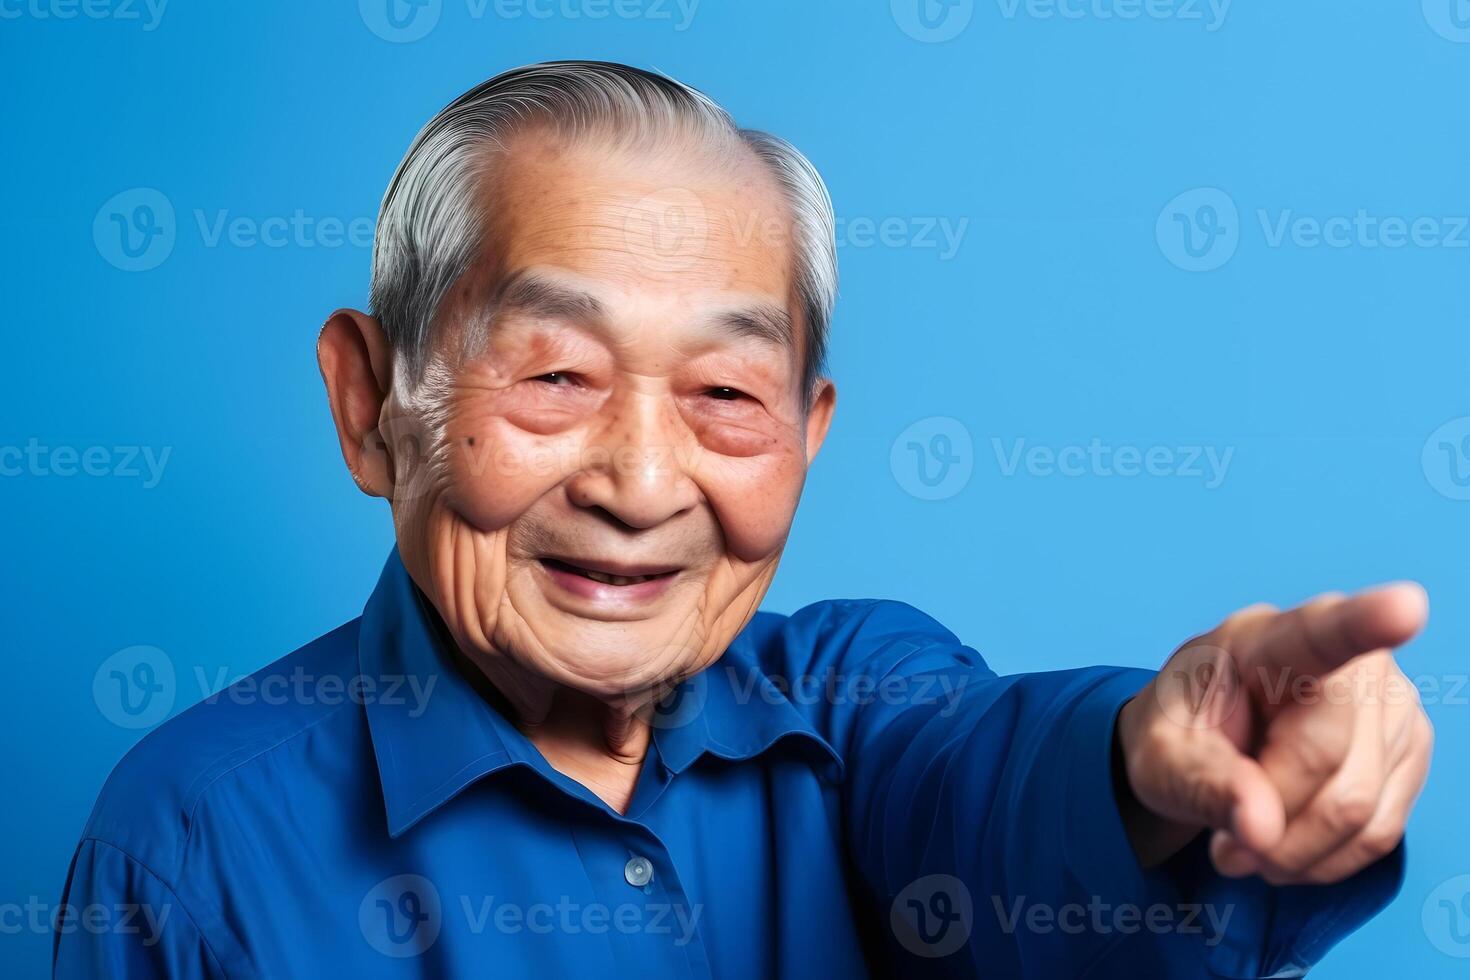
(606, 645)
(611, 667)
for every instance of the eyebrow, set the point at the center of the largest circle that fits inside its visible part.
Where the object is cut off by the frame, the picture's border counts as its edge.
(763, 322)
(537, 295)
(529, 292)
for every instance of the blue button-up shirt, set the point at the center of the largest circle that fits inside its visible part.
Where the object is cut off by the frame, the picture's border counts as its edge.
(848, 791)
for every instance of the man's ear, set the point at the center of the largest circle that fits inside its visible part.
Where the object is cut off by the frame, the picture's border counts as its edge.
(357, 366)
(819, 419)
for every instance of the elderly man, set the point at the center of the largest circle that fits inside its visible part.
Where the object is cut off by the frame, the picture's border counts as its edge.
(590, 388)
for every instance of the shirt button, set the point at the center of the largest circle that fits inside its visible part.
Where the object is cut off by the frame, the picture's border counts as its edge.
(638, 871)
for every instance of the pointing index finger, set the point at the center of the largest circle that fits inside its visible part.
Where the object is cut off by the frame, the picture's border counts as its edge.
(1318, 637)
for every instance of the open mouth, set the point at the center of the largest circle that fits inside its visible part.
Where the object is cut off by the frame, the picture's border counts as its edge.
(606, 574)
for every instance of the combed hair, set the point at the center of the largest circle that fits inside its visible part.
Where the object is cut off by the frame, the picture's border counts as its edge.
(431, 223)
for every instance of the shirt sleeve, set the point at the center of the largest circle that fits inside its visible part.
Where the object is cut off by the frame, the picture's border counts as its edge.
(982, 816)
(118, 920)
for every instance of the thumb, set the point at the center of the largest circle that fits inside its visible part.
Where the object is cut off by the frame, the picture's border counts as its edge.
(1255, 814)
(1211, 783)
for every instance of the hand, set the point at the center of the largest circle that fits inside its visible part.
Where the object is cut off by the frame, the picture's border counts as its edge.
(1293, 735)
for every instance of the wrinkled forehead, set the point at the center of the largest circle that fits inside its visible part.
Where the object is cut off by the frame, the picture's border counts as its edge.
(686, 221)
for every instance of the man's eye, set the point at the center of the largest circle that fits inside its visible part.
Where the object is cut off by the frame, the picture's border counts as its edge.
(555, 378)
(725, 394)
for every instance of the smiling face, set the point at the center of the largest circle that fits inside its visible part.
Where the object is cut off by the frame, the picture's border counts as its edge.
(620, 439)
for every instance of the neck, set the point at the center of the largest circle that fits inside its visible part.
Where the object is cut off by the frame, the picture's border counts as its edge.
(599, 745)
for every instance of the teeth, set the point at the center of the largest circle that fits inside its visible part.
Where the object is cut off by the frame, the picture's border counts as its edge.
(614, 579)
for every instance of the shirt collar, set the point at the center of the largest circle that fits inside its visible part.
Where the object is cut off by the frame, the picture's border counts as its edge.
(434, 733)
(735, 710)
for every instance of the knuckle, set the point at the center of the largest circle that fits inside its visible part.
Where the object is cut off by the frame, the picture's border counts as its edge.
(1398, 692)
(1402, 741)
(1198, 650)
(1311, 610)
(1425, 729)
(1379, 840)
(1287, 863)
(1319, 757)
(1349, 808)
(1154, 746)
(1251, 613)
(1208, 797)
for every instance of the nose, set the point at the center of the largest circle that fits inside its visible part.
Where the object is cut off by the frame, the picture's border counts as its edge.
(634, 467)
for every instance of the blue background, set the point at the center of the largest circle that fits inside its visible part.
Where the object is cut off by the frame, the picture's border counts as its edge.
(1067, 313)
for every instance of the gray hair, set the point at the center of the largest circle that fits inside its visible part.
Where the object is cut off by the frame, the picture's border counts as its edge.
(430, 225)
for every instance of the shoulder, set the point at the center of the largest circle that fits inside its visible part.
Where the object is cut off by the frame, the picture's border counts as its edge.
(868, 636)
(145, 808)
